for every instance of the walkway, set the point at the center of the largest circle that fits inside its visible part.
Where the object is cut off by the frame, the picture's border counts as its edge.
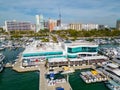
(42, 83)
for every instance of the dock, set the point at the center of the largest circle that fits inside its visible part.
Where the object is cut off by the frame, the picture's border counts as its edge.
(17, 66)
(43, 85)
(8, 65)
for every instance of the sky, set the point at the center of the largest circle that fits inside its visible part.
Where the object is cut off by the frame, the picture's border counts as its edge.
(104, 12)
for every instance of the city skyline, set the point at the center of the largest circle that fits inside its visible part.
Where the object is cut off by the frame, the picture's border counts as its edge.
(100, 12)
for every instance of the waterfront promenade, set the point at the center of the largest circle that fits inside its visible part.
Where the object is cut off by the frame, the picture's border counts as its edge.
(43, 85)
(17, 66)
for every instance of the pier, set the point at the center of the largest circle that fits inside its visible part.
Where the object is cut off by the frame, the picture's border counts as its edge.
(17, 66)
(8, 65)
(43, 85)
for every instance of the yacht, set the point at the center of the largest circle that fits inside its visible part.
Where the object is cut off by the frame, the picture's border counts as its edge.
(112, 85)
(1, 61)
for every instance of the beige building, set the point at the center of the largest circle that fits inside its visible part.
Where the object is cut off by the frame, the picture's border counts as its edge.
(75, 26)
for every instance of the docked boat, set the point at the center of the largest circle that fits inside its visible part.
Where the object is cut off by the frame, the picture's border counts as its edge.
(85, 78)
(1, 61)
(2, 48)
(93, 76)
(112, 85)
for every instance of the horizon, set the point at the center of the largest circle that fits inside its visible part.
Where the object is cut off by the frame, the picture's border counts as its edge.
(105, 12)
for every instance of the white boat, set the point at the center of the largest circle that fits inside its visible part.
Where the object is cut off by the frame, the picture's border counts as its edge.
(1, 61)
(2, 48)
(112, 85)
(85, 77)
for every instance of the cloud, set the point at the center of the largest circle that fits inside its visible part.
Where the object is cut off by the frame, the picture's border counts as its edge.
(84, 11)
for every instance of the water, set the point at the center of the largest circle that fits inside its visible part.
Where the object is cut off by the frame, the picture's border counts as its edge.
(11, 55)
(78, 84)
(11, 80)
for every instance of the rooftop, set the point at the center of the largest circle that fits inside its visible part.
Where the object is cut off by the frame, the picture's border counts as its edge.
(57, 60)
(38, 46)
(94, 57)
(81, 43)
(88, 58)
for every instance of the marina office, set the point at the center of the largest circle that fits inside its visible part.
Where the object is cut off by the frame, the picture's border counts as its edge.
(61, 54)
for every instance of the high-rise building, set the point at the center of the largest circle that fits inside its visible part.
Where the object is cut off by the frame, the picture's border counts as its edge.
(75, 26)
(52, 24)
(78, 26)
(118, 24)
(90, 26)
(15, 25)
(39, 22)
(59, 22)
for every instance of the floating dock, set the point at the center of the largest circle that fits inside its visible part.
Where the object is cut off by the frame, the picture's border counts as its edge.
(93, 76)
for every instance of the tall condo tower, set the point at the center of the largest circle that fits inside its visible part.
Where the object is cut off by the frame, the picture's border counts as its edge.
(39, 23)
(118, 24)
(59, 20)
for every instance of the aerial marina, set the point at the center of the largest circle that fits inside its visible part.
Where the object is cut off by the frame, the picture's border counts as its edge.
(59, 45)
(63, 58)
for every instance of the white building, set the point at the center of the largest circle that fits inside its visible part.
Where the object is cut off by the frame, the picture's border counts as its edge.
(80, 49)
(62, 27)
(39, 23)
(90, 26)
(61, 54)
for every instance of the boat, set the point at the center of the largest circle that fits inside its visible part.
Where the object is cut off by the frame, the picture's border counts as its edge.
(112, 85)
(85, 77)
(1, 62)
(2, 48)
(93, 76)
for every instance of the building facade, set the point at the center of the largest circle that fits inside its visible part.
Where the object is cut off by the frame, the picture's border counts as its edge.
(102, 27)
(118, 25)
(80, 49)
(75, 26)
(90, 26)
(62, 54)
(52, 24)
(39, 23)
(78, 26)
(15, 25)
